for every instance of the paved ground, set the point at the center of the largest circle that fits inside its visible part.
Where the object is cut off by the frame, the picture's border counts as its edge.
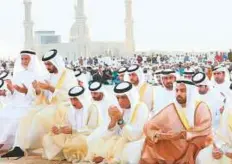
(32, 159)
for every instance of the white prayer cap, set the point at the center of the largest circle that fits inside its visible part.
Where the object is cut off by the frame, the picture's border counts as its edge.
(158, 72)
(1, 83)
(133, 68)
(219, 69)
(185, 81)
(200, 79)
(189, 71)
(122, 70)
(76, 91)
(55, 59)
(28, 52)
(49, 55)
(80, 93)
(126, 88)
(123, 87)
(95, 87)
(137, 70)
(167, 72)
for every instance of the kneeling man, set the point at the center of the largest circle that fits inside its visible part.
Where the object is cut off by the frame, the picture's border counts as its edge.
(67, 140)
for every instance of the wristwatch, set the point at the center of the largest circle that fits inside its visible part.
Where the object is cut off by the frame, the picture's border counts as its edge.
(121, 122)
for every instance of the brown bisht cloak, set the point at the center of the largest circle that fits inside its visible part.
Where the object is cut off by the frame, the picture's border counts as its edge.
(171, 122)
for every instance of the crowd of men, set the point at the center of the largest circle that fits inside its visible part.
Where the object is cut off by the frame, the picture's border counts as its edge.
(133, 112)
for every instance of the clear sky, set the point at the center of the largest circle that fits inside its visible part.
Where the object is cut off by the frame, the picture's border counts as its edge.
(158, 24)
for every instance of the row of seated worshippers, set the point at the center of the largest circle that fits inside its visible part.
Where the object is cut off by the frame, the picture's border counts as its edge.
(43, 107)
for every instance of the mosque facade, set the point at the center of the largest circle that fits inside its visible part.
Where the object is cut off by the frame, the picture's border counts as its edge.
(80, 44)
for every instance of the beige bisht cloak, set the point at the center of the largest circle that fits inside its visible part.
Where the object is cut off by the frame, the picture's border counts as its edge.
(113, 142)
(116, 144)
(71, 146)
(42, 115)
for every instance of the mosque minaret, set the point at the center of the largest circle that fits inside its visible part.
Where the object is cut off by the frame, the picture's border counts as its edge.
(28, 25)
(129, 40)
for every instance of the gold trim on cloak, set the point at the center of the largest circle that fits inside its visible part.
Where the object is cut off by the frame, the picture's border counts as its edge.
(183, 117)
(142, 91)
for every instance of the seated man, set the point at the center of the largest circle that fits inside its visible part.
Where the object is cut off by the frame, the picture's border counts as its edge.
(220, 152)
(125, 127)
(50, 95)
(67, 140)
(136, 77)
(21, 97)
(183, 128)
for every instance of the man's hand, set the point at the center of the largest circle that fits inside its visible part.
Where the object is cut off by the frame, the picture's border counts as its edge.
(55, 130)
(35, 84)
(112, 124)
(172, 135)
(229, 155)
(66, 130)
(156, 135)
(22, 89)
(2, 92)
(115, 113)
(221, 109)
(36, 87)
(9, 86)
(98, 159)
(46, 86)
(217, 153)
(115, 116)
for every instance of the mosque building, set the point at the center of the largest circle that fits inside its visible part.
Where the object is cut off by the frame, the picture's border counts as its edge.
(80, 44)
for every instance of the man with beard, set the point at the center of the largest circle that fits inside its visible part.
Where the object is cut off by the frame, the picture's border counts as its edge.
(67, 138)
(188, 73)
(101, 100)
(183, 128)
(51, 95)
(157, 78)
(168, 77)
(122, 73)
(26, 70)
(220, 151)
(81, 78)
(136, 77)
(119, 138)
(221, 80)
(211, 96)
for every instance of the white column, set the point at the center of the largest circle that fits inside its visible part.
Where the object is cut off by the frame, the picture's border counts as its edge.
(80, 8)
(82, 32)
(129, 40)
(28, 25)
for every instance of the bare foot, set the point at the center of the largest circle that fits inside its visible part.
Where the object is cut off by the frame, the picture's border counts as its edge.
(98, 159)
